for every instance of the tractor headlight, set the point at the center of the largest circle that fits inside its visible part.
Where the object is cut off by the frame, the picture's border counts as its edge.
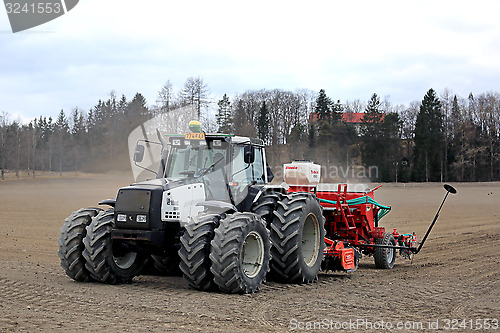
(121, 218)
(141, 219)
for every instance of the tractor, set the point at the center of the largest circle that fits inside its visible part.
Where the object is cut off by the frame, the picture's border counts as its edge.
(203, 204)
(208, 209)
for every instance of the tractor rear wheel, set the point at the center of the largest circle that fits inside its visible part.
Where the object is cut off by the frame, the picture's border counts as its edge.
(195, 250)
(108, 262)
(297, 235)
(240, 253)
(71, 243)
(265, 206)
(385, 257)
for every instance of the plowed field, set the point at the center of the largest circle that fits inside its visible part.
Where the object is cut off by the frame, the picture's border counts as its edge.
(456, 276)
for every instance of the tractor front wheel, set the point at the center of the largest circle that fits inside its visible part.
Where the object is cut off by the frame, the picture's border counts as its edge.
(385, 257)
(108, 262)
(240, 253)
(71, 243)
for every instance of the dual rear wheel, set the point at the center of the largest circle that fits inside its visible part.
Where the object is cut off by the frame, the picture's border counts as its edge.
(297, 235)
(235, 252)
(229, 252)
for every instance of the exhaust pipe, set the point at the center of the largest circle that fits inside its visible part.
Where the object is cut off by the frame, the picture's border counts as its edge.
(449, 189)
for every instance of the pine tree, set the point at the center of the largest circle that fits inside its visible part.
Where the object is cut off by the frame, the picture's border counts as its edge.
(311, 136)
(380, 139)
(372, 142)
(337, 110)
(61, 128)
(429, 145)
(223, 117)
(263, 123)
(323, 107)
(373, 114)
(137, 110)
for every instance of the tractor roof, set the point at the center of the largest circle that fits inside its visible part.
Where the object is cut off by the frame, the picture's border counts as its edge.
(235, 139)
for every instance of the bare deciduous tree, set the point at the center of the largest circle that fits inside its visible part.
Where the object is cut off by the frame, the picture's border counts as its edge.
(195, 92)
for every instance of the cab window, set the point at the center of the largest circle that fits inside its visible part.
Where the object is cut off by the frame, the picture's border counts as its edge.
(242, 173)
(258, 166)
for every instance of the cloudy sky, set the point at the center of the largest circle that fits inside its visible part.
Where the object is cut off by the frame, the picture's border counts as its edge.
(349, 48)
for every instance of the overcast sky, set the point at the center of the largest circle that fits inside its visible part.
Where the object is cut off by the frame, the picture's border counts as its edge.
(351, 49)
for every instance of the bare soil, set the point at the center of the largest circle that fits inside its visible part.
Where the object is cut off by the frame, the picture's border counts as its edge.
(456, 276)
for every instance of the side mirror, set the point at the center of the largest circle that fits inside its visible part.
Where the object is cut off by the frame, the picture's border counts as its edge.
(139, 153)
(249, 154)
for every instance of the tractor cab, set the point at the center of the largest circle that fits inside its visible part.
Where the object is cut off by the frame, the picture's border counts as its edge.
(227, 165)
(230, 168)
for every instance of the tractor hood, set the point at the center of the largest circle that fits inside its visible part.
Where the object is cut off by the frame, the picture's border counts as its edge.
(164, 184)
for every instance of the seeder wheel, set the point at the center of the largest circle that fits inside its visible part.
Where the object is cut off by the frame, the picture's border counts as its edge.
(385, 257)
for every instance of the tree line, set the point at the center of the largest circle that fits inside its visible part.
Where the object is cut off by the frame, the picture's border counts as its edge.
(440, 138)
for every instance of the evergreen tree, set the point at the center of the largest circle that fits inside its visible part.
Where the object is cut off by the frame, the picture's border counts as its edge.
(429, 145)
(137, 110)
(373, 114)
(263, 123)
(78, 135)
(61, 130)
(122, 105)
(297, 134)
(337, 110)
(380, 139)
(323, 107)
(223, 117)
(139, 106)
(331, 132)
(371, 144)
(3, 140)
(311, 135)
(241, 122)
(391, 153)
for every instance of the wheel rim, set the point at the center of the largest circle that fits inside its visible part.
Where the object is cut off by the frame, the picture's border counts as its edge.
(311, 240)
(126, 261)
(390, 255)
(252, 254)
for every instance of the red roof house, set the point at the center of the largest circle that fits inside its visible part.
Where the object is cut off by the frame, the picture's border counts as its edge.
(354, 118)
